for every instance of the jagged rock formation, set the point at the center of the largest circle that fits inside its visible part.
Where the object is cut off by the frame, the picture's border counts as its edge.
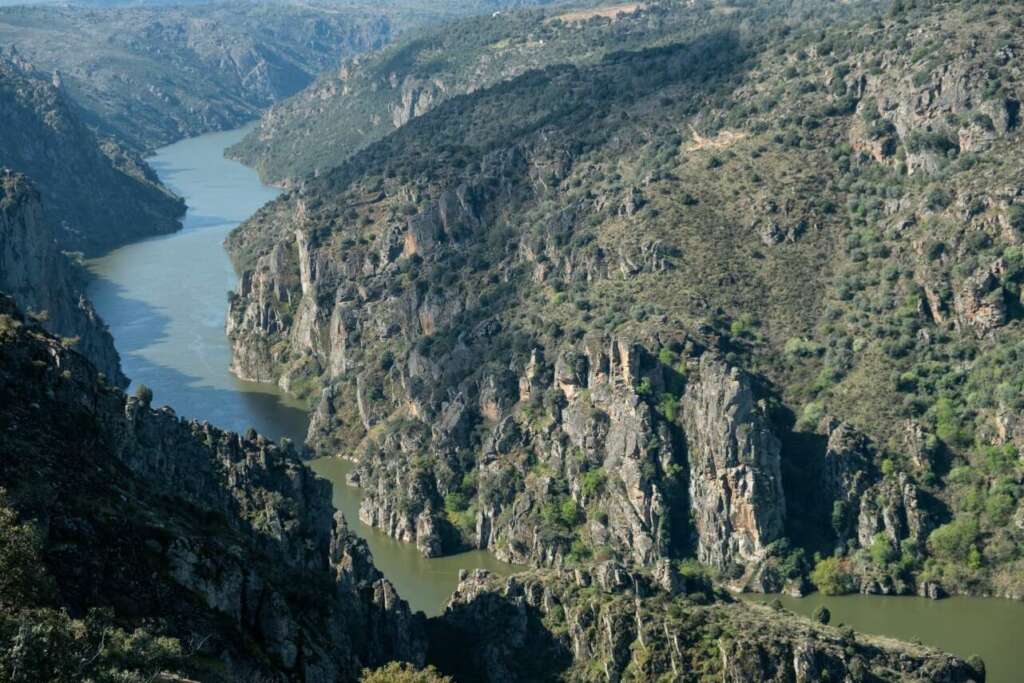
(608, 623)
(97, 194)
(44, 281)
(735, 477)
(521, 310)
(225, 542)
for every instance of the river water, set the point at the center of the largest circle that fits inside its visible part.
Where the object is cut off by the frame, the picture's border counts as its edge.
(165, 299)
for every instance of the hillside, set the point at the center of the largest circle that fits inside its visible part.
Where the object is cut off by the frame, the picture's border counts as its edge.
(750, 297)
(96, 193)
(369, 96)
(46, 283)
(135, 544)
(150, 74)
(153, 75)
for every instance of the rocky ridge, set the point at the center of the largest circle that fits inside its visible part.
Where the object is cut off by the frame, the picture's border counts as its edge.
(537, 312)
(44, 281)
(224, 542)
(607, 623)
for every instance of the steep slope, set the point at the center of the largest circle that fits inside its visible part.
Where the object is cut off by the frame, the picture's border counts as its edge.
(170, 544)
(44, 282)
(96, 193)
(606, 623)
(371, 95)
(745, 298)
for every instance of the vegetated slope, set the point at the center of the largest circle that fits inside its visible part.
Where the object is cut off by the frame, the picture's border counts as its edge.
(96, 193)
(608, 623)
(153, 75)
(44, 282)
(134, 543)
(369, 96)
(747, 298)
(137, 546)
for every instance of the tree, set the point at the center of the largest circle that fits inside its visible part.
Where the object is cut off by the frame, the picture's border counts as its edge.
(145, 395)
(822, 615)
(831, 577)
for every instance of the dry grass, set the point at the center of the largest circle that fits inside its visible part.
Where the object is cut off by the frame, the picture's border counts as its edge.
(720, 141)
(611, 12)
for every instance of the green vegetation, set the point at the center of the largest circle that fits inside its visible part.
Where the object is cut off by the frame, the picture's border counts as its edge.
(401, 672)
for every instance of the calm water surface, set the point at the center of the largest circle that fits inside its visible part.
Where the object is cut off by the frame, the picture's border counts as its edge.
(165, 299)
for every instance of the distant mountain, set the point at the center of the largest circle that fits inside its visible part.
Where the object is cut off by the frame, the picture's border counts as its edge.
(371, 95)
(95, 192)
(152, 73)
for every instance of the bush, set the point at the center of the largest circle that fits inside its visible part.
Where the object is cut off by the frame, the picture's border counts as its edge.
(822, 615)
(831, 577)
(403, 672)
(145, 395)
(954, 541)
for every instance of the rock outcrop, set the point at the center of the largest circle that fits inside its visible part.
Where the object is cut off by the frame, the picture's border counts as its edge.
(44, 281)
(735, 478)
(224, 541)
(609, 623)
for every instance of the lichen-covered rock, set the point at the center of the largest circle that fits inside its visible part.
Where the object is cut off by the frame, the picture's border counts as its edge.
(735, 478)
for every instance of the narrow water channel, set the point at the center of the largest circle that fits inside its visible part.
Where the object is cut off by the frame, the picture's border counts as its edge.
(165, 300)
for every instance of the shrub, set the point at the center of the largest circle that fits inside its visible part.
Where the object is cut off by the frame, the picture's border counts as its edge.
(954, 541)
(822, 615)
(145, 395)
(403, 672)
(831, 578)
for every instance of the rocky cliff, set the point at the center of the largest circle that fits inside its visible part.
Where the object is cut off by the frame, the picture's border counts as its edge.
(225, 543)
(44, 281)
(96, 193)
(607, 623)
(603, 309)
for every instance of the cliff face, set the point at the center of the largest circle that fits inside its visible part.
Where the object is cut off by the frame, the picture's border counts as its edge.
(96, 194)
(607, 623)
(44, 282)
(604, 308)
(224, 542)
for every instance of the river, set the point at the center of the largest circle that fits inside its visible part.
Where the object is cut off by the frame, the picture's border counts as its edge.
(165, 299)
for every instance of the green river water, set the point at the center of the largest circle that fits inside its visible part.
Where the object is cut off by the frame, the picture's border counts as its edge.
(165, 299)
